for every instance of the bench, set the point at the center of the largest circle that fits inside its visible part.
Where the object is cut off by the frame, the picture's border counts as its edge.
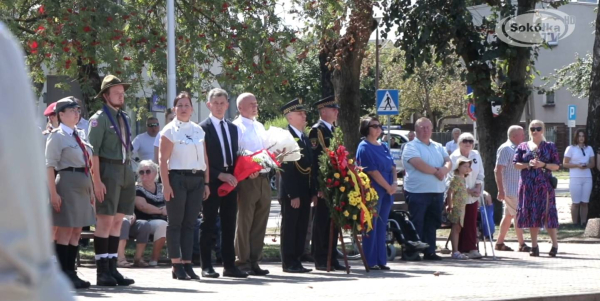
(84, 235)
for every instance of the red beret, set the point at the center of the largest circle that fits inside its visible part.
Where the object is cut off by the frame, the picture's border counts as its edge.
(50, 109)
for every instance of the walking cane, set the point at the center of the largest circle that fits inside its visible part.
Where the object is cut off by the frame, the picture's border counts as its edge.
(482, 202)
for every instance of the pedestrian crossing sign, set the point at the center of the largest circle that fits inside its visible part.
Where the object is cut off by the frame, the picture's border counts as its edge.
(388, 102)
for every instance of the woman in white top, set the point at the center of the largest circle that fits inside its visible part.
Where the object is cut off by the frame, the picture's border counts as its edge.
(467, 242)
(184, 172)
(579, 158)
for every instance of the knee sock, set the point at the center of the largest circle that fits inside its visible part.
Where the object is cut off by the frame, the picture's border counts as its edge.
(100, 247)
(113, 246)
(73, 251)
(62, 254)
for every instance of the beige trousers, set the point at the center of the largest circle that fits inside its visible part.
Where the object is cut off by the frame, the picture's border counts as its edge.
(254, 206)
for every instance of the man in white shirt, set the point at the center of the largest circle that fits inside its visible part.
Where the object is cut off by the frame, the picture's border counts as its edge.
(83, 123)
(254, 203)
(451, 146)
(143, 144)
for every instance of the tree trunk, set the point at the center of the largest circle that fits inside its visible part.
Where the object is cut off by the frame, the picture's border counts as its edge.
(593, 120)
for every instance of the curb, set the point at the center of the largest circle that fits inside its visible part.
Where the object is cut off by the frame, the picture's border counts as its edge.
(589, 241)
(573, 297)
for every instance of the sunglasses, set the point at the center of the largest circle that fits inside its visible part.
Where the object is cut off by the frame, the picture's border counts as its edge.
(151, 125)
(535, 129)
(375, 126)
(468, 141)
(146, 171)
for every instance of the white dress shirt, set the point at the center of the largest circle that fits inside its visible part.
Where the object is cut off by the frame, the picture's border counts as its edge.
(188, 145)
(253, 135)
(217, 124)
(143, 146)
(299, 133)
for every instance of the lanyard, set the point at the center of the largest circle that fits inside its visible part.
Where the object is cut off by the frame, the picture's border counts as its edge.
(118, 128)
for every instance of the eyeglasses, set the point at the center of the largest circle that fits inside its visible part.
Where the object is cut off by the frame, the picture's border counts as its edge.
(151, 125)
(146, 171)
(535, 129)
(469, 141)
(375, 126)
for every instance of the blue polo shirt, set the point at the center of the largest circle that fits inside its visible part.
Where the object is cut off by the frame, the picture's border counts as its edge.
(433, 154)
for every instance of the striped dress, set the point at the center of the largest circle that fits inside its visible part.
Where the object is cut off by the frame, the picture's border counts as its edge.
(537, 202)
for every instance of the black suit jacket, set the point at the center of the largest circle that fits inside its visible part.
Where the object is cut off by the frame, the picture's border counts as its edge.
(316, 146)
(214, 151)
(295, 183)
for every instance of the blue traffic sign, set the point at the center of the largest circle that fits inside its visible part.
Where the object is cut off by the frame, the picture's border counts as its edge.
(388, 102)
(572, 112)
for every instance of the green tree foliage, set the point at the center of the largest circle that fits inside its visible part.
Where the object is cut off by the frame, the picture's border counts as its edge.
(576, 77)
(240, 43)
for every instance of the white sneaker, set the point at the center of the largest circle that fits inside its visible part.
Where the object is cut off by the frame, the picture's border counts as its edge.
(474, 254)
(152, 263)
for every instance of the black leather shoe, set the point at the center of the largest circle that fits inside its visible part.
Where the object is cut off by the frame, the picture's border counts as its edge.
(304, 270)
(323, 268)
(234, 272)
(259, 272)
(293, 270)
(188, 267)
(210, 273)
(385, 267)
(121, 280)
(178, 272)
(432, 256)
(77, 282)
(103, 276)
(338, 266)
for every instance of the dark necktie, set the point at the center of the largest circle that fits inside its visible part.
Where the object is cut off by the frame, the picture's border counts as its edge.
(229, 158)
(86, 156)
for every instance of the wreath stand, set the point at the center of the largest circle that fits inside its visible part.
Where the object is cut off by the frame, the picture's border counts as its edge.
(329, 254)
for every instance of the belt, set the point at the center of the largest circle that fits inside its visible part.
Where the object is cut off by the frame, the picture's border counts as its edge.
(74, 169)
(188, 172)
(112, 161)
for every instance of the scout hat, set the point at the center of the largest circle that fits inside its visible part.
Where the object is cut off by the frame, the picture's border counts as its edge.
(294, 105)
(65, 103)
(111, 81)
(327, 102)
(50, 109)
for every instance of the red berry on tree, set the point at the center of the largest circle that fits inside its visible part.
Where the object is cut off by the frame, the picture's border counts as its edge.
(87, 29)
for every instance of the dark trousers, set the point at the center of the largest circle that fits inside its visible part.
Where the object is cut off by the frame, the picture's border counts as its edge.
(182, 212)
(293, 231)
(467, 240)
(426, 215)
(320, 235)
(226, 208)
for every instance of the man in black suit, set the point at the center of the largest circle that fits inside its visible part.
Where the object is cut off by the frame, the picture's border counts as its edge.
(297, 190)
(221, 137)
(320, 137)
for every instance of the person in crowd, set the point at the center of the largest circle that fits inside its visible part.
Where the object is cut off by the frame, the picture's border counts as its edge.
(83, 123)
(379, 165)
(457, 201)
(114, 181)
(507, 181)
(297, 190)
(150, 218)
(184, 170)
(52, 120)
(579, 159)
(394, 143)
(254, 198)
(452, 145)
(169, 116)
(69, 180)
(467, 242)
(27, 272)
(536, 159)
(143, 144)
(320, 137)
(222, 145)
(427, 164)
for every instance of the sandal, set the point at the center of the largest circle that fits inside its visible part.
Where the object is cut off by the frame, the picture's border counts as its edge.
(140, 263)
(123, 263)
(458, 255)
(503, 247)
(524, 248)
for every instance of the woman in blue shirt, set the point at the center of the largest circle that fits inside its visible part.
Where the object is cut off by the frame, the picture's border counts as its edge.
(378, 163)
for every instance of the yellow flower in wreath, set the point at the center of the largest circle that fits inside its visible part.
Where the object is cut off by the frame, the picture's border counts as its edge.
(342, 189)
(354, 217)
(354, 201)
(346, 179)
(346, 213)
(368, 197)
(358, 227)
(336, 175)
(350, 161)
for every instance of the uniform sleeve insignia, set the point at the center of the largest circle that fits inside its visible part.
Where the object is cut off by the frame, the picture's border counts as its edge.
(314, 143)
(94, 123)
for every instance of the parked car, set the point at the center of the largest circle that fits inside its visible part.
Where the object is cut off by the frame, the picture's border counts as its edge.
(401, 137)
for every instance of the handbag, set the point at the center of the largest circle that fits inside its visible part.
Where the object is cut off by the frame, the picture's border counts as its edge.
(553, 181)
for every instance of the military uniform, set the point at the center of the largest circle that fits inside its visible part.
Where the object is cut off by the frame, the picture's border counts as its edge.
(320, 137)
(115, 170)
(297, 181)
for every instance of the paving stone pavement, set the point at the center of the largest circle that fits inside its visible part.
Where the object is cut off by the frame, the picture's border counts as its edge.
(512, 275)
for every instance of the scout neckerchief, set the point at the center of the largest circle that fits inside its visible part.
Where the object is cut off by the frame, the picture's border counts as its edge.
(86, 156)
(126, 143)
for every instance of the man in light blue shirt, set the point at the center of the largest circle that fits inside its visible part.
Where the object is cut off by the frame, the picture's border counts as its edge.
(426, 163)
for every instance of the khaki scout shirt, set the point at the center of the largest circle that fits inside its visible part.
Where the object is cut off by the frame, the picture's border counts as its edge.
(103, 137)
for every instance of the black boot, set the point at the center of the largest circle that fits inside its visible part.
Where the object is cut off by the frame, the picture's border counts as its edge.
(78, 283)
(103, 276)
(178, 272)
(121, 280)
(188, 267)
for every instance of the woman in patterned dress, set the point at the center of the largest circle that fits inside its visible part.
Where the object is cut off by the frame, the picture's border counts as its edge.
(537, 203)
